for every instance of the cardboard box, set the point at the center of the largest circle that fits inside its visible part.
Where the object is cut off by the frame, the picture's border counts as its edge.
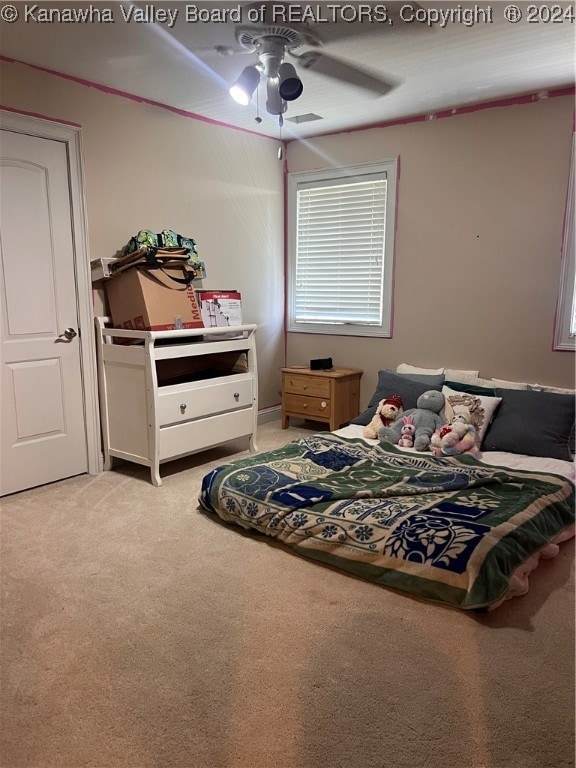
(220, 308)
(151, 301)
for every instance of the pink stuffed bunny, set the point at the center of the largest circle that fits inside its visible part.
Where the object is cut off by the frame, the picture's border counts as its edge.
(407, 432)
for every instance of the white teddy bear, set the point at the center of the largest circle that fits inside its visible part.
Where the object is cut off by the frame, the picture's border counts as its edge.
(457, 437)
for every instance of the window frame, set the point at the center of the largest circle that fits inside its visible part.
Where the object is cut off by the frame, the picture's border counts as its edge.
(386, 168)
(564, 340)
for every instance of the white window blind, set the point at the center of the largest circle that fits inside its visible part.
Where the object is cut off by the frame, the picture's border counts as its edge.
(340, 252)
(340, 249)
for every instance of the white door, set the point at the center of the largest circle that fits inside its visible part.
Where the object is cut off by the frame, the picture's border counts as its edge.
(43, 429)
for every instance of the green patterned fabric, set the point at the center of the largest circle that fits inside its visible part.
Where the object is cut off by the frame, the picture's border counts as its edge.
(450, 530)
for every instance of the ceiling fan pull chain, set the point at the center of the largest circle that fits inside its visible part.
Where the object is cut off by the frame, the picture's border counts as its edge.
(280, 148)
(258, 119)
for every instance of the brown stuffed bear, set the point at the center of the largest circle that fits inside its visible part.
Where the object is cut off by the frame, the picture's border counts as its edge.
(386, 413)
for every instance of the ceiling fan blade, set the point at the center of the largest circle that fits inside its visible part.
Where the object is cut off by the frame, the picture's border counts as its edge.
(223, 51)
(321, 24)
(344, 72)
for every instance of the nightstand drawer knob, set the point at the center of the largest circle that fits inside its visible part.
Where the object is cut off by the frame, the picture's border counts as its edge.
(183, 407)
(305, 406)
(236, 396)
(323, 404)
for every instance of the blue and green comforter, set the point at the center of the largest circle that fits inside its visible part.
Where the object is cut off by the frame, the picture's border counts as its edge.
(451, 530)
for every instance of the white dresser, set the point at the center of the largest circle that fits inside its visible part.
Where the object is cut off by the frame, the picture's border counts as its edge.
(171, 393)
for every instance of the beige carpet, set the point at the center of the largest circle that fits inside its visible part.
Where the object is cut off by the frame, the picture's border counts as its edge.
(139, 633)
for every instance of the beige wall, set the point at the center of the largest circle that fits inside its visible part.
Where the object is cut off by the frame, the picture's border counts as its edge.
(478, 242)
(146, 167)
(481, 203)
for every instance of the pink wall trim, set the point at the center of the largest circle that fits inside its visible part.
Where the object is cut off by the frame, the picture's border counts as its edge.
(510, 101)
(42, 117)
(285, 203)
(133, 97)
(393, 314)
(562, 251)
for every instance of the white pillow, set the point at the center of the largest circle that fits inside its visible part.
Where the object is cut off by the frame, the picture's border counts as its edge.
(481, 407)
(545, 388)
(464, 377)
(503, 384)
(405, 368)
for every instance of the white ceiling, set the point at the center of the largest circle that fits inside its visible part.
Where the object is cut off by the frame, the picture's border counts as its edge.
(434, 68)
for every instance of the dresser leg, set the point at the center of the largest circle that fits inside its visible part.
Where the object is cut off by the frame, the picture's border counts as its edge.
(285, 421)
(155, 476)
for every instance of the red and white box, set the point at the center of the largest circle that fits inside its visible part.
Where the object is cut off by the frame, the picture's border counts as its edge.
(220, 308)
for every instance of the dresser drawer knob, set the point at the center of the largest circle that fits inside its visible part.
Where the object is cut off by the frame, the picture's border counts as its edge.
(323, 404)
(236, 396)
(305, 406)
(183, 407)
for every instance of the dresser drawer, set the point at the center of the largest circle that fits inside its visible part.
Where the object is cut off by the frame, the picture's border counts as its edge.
(200, 401)
(180, 439)
(314, 386)
(308, 407)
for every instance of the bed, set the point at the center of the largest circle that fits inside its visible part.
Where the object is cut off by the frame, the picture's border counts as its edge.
(460, 531)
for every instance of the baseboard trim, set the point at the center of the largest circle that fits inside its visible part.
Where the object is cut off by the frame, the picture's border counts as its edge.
(270, 414)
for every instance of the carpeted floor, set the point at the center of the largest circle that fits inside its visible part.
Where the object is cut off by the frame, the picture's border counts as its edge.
(137, 632)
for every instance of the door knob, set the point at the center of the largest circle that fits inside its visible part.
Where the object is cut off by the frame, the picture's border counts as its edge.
(70, 333)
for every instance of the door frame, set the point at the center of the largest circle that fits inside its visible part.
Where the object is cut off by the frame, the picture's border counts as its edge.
(71, 136)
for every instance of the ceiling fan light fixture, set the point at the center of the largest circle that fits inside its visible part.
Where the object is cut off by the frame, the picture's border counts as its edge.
(275, 104)
(290, 87)
(243, 89)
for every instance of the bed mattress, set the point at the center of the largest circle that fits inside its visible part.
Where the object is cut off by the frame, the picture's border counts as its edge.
(495, 458)
(457, 531)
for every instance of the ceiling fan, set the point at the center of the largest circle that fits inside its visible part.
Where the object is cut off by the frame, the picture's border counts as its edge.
(272, 41)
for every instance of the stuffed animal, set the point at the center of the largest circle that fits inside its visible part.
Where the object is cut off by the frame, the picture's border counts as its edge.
(457, 437)
(386, 413)
(407, 432)
(425, 418)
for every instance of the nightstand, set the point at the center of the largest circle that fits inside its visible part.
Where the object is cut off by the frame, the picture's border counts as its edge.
(330, 396)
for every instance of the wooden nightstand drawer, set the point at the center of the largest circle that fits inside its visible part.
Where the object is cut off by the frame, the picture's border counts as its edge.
(306, 385)
(307, 407)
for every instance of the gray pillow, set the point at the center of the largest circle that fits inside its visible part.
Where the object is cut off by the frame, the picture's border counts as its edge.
(435, 380)
(532, 423)
(408, 385)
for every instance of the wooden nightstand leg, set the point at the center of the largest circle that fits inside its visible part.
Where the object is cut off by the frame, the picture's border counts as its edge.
(285, 421)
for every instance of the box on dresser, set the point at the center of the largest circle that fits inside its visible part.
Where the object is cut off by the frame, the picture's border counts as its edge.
(220, 308)
(152, 301)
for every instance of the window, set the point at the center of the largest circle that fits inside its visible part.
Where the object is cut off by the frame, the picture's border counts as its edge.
(340, 250)
(565, 331)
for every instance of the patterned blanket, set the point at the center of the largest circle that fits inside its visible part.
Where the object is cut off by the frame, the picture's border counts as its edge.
(451, 530)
